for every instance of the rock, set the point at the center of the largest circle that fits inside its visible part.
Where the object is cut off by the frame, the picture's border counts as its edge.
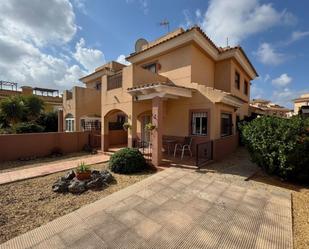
(60, 186)
(69, 175)
(107, 176)
(95, 183)
(95, 174)
(76, 186)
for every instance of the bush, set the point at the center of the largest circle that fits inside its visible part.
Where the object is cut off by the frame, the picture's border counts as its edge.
(280, 146)
(49, 121)
(127, 161)
(27, 127)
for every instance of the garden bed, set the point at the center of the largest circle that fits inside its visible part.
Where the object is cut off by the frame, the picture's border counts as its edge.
(31, 203)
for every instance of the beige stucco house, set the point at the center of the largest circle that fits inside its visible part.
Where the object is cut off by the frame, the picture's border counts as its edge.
(303, 100)
(185, 86)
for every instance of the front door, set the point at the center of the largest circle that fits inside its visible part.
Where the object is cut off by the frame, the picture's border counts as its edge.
(146, 119)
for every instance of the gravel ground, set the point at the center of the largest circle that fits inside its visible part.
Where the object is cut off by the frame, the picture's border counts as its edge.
(301, 219)
(15, 165)
(28, 204)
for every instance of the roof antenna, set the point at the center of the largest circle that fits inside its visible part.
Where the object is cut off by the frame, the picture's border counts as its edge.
(227, 41)
(165, 23)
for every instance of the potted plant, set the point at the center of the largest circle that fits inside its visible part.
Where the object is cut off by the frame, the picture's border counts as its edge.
(83, 172)
(150, 127)
(126, 126)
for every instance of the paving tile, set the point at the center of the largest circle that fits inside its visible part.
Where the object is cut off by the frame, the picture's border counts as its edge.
(51, 243)
(146, 207)
(130, 217)
(159, 198)
(200, 204)
(168, 192)
(145, 193)
(127, 240)
(146, 228)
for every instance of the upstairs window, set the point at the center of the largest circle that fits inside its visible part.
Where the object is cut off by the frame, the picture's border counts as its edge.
(199, 123)
(246, 87)
(226, 124)
(237, 80)
(98, 86)
(151, 67)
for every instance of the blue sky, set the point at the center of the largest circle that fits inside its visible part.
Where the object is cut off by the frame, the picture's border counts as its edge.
(65, 39)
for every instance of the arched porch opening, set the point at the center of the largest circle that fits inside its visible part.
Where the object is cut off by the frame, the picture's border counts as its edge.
(113, 133)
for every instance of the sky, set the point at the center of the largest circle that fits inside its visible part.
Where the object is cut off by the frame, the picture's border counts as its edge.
(53, 43)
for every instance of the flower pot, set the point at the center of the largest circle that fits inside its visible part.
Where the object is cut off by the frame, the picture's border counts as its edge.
(86, 175)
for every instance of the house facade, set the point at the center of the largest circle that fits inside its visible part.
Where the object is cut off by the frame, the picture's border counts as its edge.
(300, 102)
(262, 107)
(185, 86)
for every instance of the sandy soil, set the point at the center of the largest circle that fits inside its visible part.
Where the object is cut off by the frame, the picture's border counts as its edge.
(28, 204)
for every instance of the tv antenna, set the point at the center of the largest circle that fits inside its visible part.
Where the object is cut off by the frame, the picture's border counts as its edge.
(166, 24)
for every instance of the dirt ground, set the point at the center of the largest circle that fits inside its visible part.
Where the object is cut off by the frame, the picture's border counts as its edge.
(18, 164)
(28, 204)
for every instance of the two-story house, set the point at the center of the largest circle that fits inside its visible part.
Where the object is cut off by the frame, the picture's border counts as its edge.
(185, 86)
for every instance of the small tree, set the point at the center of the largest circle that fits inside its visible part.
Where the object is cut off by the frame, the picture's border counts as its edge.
(34, 106)
(12, 109)
(49, 121)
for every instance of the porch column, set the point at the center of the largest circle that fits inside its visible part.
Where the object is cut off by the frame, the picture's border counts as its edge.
(104, 135)
(132, 119)
(157, 120)
(60, 120)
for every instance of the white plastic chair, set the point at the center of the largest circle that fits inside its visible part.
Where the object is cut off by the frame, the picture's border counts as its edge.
(186, 146)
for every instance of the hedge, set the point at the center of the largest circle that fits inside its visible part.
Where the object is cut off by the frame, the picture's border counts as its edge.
(280, 146)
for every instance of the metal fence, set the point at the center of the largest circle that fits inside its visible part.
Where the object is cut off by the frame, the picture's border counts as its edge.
(204, 153)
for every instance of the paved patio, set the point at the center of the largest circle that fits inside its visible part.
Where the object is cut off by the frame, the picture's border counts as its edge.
(175, 208)
(49, 168)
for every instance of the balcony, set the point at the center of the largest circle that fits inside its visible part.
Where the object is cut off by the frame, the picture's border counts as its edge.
(114, 81)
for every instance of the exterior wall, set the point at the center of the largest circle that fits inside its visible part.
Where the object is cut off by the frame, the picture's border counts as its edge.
(223, 79)
(298, 105)
(15, 146)
(82, 102)
(243, 76)
(224, 146)
(176, 65)
(203, 68)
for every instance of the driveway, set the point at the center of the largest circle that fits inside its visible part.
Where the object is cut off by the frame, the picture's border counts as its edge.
(175, 208)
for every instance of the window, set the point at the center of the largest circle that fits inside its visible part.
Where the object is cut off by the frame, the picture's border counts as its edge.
(246, 87)
(226, 124)
(199, 123)
(91, 124)
(237, 80)
(98, 86)
(69, 124)
(151, 67)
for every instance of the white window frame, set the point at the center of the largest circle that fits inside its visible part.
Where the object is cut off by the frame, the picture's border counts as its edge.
(69, 124)
(199, 115)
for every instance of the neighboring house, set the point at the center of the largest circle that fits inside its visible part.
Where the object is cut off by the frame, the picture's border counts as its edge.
(51, 97)
(261, 107)
(183, 84)
(300, 102)
(82, 105)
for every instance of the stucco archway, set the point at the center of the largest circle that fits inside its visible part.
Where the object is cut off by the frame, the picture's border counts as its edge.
(113, 133)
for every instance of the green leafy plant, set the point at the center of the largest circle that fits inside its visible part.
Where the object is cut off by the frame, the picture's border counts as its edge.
(83, 168)
(150, 127)
(279, 146)
(126, 126)
(27, 127)
(127, 161)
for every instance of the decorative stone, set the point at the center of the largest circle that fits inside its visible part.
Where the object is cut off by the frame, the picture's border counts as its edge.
(76, 186)
(70, 175)
(69, 182)
(60, 186)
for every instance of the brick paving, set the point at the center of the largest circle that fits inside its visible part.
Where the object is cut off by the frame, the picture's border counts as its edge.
(49, 168)
(175, 208)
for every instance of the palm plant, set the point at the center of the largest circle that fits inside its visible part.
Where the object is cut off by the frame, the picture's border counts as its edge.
(33, 107)
(12, 109)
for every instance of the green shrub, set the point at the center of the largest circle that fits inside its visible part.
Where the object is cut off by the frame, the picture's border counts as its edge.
(26, 127)
(280, 146)
(127, 161)
(49, 121)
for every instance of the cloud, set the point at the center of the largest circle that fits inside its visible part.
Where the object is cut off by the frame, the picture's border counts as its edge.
(80, 5)
(284, 97)
(89, 58)
(28, 29)
(256, 92)
(298, 35)
(282, 81)
(239, 19)
(122, 59)
(267, 54)
(38, 21)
